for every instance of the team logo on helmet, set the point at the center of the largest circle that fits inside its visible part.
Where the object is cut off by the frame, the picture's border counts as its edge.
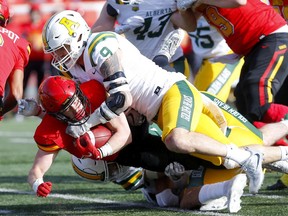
(70, 25)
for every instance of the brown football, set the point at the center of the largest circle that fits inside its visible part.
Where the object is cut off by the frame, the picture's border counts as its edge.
(102, 134)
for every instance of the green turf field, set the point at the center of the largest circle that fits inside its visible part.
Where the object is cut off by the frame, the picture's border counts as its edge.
(74, 196)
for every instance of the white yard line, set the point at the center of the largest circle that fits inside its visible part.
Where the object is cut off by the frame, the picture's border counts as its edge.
(113, 202)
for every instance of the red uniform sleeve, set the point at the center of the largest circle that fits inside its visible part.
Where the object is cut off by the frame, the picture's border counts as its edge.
(24, 50)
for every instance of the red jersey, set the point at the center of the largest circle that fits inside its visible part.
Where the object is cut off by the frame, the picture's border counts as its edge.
(51, 135)
(14, 54)
(244, 26)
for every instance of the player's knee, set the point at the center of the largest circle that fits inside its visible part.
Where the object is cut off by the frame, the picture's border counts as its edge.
(176, 141)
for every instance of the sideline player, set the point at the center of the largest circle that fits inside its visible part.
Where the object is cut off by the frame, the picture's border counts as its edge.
(210, 73)
(14, 56)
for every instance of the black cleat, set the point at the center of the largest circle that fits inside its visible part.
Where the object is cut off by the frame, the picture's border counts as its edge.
(277, 186)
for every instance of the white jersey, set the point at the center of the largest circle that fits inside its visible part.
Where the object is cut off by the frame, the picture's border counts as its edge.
(157, 16)
(207, 42)
(147, 82)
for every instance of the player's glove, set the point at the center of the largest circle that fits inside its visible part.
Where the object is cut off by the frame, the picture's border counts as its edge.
(29, 107)
(130, 23)
(42, 189)
(134, 118)
(77, 130)
(174, 171)
(85, 144)
(183, 5)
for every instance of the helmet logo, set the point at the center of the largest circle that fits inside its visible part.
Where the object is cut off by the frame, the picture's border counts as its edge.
(70, 25)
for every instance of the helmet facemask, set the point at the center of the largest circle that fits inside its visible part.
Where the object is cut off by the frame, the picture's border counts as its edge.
(85, 111)
(68, 57)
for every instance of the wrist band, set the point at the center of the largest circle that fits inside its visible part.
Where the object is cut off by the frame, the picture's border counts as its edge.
(106, 150)
(36, 184)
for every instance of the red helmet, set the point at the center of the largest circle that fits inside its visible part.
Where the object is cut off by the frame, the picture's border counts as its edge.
(57, 94)
(4, 13)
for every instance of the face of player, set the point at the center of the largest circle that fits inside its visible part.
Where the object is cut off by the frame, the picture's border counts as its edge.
(76, 111)
(63, 58)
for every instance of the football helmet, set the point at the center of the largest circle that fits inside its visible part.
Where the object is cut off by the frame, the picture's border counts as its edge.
(97, 170)
(65, 37)
(57, 94)
(4, 13)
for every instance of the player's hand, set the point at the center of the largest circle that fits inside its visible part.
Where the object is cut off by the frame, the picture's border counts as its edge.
(77, 130)
(134, 118)
(175, 171)
(44, 189)
(131, 23)
(85, 144)
(29, 107)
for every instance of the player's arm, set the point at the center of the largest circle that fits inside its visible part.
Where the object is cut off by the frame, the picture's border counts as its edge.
(42, 162)
(185, 20)
(106, 20)
(121, 133)
(15, 93)
(221, 3)
(121, 136)
(116, 84)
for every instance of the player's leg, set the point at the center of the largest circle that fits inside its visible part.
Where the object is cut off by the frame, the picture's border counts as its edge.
(196, 133)
(217, 78)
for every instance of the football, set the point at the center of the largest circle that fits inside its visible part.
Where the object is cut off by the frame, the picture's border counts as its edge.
(101, 134)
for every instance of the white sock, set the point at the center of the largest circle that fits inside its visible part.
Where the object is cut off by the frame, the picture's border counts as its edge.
(237, 154)
(213, 191)
(284, 152)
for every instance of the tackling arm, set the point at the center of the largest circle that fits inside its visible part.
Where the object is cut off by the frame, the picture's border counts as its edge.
(105, 22)
(116, 84)
(121, 134)
(221, 3)
(185, 20)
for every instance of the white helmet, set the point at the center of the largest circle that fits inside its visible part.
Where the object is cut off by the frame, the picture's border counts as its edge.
(97, 170)
(67, 30)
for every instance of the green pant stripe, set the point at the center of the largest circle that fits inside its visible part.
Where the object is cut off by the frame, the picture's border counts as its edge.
(227, 108)
(220, 81)
(186, 106)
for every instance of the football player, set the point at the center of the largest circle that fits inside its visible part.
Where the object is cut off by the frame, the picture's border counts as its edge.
(261, 37)
(60, 97)
(150, 26)
(173, 188)
(14, 56)
(67, 103)
(64, 102)
(192, 122)
(211, 74)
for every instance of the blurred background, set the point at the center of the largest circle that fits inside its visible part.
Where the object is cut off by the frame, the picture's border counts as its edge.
(27, 20)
